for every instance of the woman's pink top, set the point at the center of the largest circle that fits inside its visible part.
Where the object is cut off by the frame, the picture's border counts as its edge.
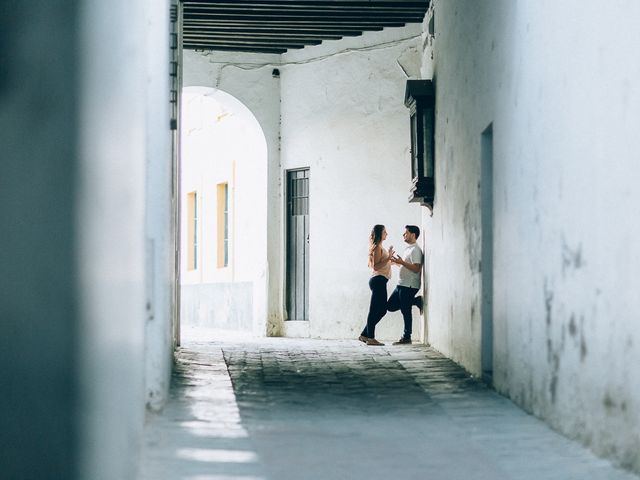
(386, 269)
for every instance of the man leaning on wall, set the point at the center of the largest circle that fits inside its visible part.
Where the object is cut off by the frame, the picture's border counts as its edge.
(404, 295)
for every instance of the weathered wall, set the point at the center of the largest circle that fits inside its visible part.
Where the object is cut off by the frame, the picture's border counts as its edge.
(558, 82)
(248, 78)
(343, 116)
(159, 228)
(111, 201)
(225, 305)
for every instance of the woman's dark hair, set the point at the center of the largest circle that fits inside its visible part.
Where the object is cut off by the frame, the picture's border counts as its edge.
(376, 235)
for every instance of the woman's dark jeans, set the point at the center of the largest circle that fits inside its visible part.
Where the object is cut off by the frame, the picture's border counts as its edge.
(378, 305)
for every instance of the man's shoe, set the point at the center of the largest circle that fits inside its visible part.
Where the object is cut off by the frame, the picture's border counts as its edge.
(403, 341)
(363, 339)
(419, 303)
(373, 341)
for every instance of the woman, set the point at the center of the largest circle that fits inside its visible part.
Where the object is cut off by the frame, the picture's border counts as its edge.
(380, 264)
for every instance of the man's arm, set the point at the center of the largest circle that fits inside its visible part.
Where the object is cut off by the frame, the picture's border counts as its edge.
(414, 267)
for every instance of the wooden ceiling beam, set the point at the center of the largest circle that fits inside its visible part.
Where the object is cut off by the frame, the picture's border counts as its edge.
(283, 35)
(357, 23)
(334, 26)
(262, 44)
(258, 30)
(319, 17)
(273, 26)
(266, 24)
(305, 10)
(248, 49)
(256, 41)
(252, 36)
(323, 3)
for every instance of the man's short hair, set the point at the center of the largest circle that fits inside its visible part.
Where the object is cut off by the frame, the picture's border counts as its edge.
(413, 229)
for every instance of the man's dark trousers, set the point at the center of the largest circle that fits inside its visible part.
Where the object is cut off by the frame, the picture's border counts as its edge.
(403, 298)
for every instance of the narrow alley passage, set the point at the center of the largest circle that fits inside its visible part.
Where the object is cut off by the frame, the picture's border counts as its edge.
(278, 409)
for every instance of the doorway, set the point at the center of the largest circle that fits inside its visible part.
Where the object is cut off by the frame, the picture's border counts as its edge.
(486, 207)
(297, 262)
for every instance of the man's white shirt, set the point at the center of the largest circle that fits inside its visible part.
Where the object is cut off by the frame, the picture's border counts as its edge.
(412, 254)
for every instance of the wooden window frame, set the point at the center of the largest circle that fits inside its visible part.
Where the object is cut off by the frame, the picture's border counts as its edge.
(192, 230)
(222, 230)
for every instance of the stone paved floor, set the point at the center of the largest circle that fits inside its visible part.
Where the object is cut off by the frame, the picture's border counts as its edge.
(311, 409)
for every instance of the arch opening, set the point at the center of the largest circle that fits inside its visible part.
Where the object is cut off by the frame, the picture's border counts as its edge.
(223, 224)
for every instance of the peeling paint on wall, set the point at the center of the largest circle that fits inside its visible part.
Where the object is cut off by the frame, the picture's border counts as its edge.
(548, 304)
(409, 62)
(555, 348)
(571, 257)
(473, 236)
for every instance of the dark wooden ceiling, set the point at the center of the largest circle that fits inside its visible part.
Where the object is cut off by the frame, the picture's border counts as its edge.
(274, 26)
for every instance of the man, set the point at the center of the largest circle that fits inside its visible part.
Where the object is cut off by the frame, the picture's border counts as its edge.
(404, 296)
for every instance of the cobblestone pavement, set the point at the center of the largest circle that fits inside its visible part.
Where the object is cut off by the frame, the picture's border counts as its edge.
(312, 409)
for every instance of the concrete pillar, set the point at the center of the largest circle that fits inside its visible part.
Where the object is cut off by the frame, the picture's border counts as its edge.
(75, 97)
(159, 226)
(111, 201)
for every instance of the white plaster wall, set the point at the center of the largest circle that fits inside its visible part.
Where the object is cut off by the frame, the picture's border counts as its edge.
(558, 81)
(73, 242)
(248, 78)
(343, 115)
(159, 235)
(110, 213)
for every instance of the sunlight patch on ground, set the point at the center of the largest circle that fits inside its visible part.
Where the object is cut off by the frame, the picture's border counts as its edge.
(217, 455)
